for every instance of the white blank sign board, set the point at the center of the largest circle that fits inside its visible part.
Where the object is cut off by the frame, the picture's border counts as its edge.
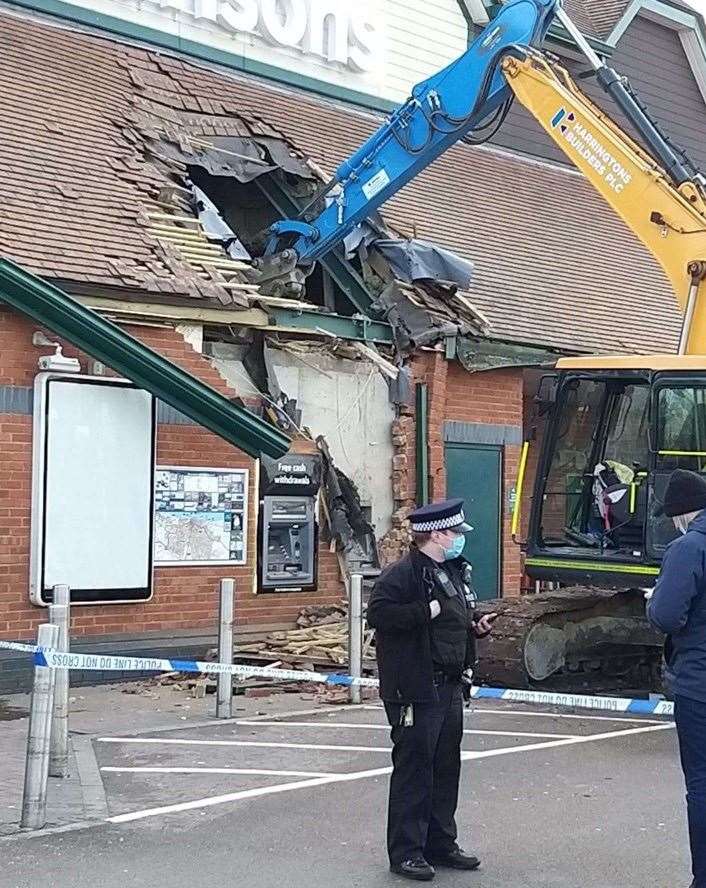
(96, 480)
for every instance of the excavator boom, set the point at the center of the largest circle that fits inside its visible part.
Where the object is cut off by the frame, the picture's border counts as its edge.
(669, 219)
(593, 521)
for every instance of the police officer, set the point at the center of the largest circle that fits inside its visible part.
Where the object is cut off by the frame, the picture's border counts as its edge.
(422, 608)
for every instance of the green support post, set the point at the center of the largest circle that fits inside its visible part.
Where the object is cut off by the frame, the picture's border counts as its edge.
(422, 443)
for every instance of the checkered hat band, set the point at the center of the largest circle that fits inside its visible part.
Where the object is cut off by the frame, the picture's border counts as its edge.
(439, 524)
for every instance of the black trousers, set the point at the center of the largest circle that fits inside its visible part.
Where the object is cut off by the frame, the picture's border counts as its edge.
(690, 717)
(426, 760)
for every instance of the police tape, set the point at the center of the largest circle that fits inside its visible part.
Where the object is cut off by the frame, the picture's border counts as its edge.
(18, 646)
(114, 663)
(623, 705)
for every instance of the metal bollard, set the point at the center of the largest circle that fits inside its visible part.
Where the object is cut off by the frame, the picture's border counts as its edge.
(34, 799)
(224, 696)
(355, 634)
(60, 615)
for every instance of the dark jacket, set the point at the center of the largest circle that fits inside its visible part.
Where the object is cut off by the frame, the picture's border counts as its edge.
(678, 608)
(399, 612)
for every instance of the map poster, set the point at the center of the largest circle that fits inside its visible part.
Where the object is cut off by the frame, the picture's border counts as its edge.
(200, 515)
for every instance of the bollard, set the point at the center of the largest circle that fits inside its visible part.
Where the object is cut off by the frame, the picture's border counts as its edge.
(224, 696)
(34, 799)
(60, 615)
(355, 634)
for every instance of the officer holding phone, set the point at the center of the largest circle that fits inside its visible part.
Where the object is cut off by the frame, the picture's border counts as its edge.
(423, 611)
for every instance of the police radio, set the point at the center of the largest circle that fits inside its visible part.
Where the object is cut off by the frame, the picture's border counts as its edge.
(468, 590)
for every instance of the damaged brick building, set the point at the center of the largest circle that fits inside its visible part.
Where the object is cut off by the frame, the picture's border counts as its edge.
(139, 177)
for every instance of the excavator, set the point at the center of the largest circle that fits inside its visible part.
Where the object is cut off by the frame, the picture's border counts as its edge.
(615, 426)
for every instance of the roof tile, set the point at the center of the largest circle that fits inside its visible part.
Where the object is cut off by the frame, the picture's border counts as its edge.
(554, 267)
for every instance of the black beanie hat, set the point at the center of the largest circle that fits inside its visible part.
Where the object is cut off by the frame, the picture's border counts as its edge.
(686, 492)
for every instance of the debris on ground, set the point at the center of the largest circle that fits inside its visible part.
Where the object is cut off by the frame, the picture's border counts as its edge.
(319, 642)
(322, 637)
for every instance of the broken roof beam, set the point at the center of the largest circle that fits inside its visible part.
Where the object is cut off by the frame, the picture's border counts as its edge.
(105, 341)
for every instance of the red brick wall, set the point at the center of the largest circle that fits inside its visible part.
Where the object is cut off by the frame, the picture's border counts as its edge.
(493, 396)
(184, 597)
(455, 394)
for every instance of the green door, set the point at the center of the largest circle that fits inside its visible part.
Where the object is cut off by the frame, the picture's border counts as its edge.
(474, 472)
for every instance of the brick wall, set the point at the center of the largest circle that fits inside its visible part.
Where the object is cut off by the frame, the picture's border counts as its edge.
(492, 397)
(185, 598)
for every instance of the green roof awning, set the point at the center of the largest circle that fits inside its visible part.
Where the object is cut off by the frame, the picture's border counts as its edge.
(105, 341)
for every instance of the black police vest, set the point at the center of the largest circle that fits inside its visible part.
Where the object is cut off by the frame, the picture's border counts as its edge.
(449, 631)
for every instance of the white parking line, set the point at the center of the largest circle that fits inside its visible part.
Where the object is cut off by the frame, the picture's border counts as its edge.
(255, 771)
(277, 724)
(257, 743)
(357, 775)
(247, 794)
(588, 738)
(638, 720)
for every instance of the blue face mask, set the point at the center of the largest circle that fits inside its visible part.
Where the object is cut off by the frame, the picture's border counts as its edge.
(455, 549)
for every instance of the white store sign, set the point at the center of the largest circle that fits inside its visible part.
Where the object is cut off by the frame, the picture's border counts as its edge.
(378, 48)
(323, 29)
(327, 40)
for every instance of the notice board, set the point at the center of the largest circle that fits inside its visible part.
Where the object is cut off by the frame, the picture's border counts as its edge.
(92, 489)
(200, 515)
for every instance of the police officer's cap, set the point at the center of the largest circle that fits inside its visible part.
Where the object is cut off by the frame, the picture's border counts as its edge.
(447, 515)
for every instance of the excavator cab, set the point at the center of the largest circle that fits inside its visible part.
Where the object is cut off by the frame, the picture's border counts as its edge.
(614, 435)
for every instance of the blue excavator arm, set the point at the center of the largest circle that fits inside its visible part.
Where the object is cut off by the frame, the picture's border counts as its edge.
(450, 105)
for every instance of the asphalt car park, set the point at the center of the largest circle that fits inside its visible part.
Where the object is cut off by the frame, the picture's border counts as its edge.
(548, 798)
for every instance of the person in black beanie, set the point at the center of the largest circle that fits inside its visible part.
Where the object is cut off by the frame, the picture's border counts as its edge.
(677, 607)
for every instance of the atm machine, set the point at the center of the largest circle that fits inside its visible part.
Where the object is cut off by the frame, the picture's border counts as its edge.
(288, 523)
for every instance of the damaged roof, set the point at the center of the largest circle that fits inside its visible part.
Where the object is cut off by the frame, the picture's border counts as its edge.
(94, 166)
(553, 266)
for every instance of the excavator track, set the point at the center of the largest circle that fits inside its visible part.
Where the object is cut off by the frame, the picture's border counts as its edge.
(578, 638)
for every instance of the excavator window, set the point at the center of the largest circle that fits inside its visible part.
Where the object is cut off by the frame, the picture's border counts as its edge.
(581, 407)
(681, 428)
(680, 444)
(595, 495)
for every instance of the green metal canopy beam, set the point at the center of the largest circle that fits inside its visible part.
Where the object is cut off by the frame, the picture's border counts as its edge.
(345, 328)
(105, 341)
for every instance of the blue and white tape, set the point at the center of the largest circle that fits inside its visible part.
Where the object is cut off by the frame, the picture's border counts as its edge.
(115, 663)
(578, 701)
(18, 646)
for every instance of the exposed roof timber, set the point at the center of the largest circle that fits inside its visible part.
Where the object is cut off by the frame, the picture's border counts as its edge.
(197, 313)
